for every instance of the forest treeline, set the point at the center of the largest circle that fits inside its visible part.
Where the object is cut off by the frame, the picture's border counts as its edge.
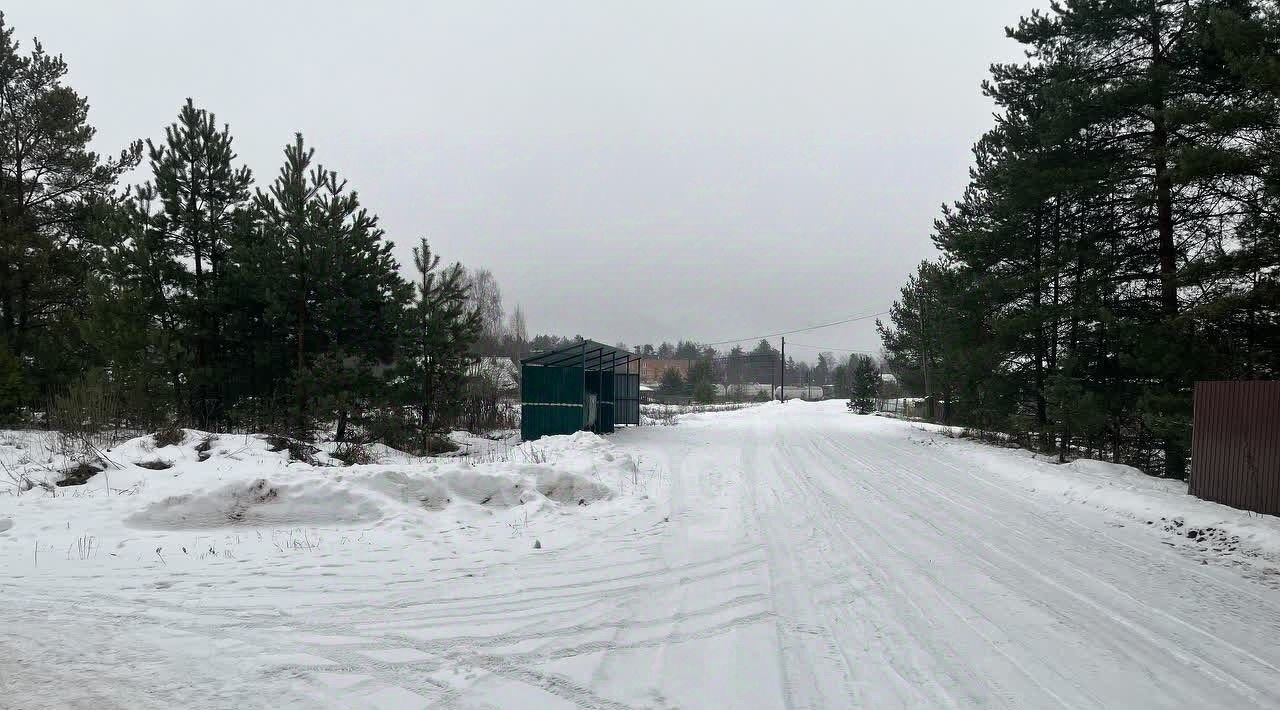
(206, 296)
(1119, 237)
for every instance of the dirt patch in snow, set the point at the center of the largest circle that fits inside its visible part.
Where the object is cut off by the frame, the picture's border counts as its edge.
(1209, 538)
(569, 488)
(79, 473)
(156, 465)
(205, 447)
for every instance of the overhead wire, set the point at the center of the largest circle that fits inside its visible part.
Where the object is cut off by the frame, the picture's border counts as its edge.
(801, 330)
(821, 347)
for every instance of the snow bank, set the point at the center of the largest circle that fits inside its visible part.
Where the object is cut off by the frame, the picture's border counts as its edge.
(261, 503)
(1160, 502)
(206, 482)
(364, 494)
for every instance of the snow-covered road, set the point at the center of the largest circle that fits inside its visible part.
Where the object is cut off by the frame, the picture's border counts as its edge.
(792, 556)
(903, 576)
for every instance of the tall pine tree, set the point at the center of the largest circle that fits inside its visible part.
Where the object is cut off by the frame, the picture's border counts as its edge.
(442, 327)
(53, 190)
(197, 193)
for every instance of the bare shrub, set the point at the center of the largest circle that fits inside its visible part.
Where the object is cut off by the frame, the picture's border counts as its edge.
(298, 450)
(353, 454)
(18, 481)
(86, 417)
(439, 444)
(169, 436)
(662, 416)
(483, 408)
(533, 454)
(276, 443)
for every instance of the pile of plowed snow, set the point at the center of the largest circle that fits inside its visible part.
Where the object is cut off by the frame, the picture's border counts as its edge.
(215, 481)
(361, 494)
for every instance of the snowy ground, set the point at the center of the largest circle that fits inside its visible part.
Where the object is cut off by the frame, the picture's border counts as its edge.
(779, 556)
(657, 414)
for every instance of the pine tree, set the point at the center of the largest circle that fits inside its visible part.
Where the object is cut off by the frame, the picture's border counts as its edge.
(1167, 104)
(341, 289)
(822, 371)
(701, 381)
(842, 379)
(866, 379)
(442, 329)
(672, 383)
(1116, 241)
(13, 394)
(289, 212)
(52, 187)
(198, 193)
(258, 307)
(133, 329)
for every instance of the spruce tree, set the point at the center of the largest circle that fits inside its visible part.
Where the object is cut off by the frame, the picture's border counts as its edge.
(866, 380)
(672, 383)
(701, 382)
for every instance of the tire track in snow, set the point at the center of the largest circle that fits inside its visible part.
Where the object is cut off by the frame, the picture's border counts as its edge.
(912, 563)
(796, 619)
(995, 516)
(911, 680)
(978, 548)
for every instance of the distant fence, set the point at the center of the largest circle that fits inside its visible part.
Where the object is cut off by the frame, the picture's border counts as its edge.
(1235, 445)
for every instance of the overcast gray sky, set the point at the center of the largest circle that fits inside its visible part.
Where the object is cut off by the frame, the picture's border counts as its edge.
(632, 171)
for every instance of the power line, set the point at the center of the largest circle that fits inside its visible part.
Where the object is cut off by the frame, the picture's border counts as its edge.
(842, 350)
(801, 330)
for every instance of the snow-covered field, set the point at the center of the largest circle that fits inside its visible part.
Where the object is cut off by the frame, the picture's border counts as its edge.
(780, 556)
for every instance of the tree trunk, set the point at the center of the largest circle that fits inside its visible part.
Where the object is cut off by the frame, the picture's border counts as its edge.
(1042, 405)
(300, 422)
(201, 395)
(1174, 465)
(1164, 218)
(1073, 347)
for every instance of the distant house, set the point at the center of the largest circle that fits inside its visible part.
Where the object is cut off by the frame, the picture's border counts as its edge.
(651, 370)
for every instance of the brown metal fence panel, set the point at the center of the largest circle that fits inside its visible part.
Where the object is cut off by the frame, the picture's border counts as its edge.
(1235, 445)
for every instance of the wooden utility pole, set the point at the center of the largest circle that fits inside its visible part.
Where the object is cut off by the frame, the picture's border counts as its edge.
(782, 390)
